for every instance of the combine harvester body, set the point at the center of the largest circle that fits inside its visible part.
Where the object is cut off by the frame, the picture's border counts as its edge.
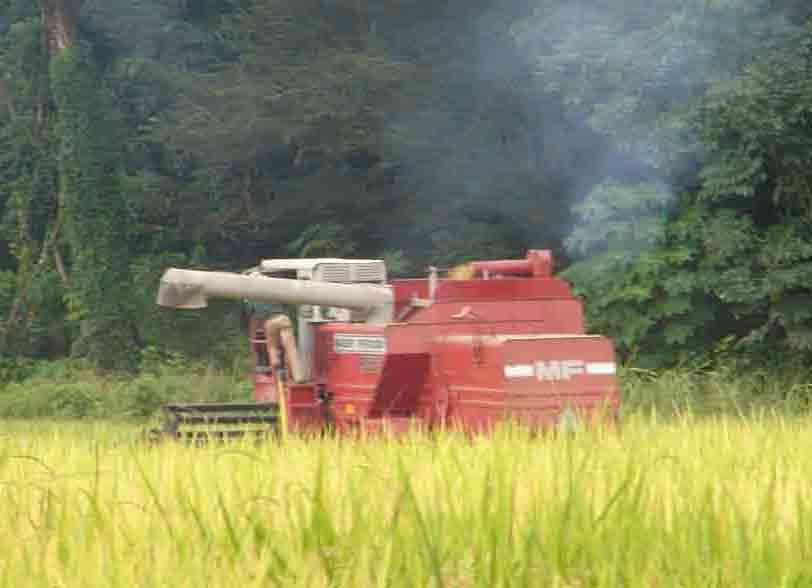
(504, 341)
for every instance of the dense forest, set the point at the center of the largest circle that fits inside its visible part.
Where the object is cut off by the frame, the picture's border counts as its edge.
(661, 148)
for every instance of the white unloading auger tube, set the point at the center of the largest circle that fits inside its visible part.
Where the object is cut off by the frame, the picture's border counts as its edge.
(191, 289)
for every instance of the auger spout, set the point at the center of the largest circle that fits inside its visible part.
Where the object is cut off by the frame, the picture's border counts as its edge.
(191, 289)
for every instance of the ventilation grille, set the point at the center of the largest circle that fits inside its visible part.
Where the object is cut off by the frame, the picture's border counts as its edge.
(370, 272)
(333, 272)
(348, 273)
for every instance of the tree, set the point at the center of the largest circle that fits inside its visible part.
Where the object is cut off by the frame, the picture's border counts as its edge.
(285, 136)
(757, 182)
(729, 256)
(82, 196)
(28, 187)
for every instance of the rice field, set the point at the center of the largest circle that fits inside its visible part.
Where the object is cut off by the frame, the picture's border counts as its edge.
(719, 501)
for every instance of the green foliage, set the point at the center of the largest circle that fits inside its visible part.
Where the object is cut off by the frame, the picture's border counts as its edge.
(481, 239)
(730, 388)
(32, 309)
(730, 255)
(97, 214)
(637, 275)
(283, 138)
(759, 177)
(327, 240)
(398, 264)
(15, 369)
(213, 334)
(71, 389)
(29, 400)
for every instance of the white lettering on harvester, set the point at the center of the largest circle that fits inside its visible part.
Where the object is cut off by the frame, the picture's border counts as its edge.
(556, 370)
(371, 344)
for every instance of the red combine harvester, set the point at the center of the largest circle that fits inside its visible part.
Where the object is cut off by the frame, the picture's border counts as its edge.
(489, 341)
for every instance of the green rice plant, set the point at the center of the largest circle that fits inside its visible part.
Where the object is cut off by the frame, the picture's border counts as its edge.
(691, 500)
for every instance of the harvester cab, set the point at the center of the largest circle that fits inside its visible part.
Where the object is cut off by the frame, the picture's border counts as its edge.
(322, 270)
(467, 348)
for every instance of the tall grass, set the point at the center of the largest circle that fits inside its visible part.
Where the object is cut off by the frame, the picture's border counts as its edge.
(68, 389)
(722, 390)
(716, 501)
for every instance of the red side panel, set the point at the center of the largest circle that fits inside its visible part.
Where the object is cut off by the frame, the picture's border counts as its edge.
(305, 411)
(401, 385)
(467, 375)
(531, 379)
(354, 356)
(544, 376)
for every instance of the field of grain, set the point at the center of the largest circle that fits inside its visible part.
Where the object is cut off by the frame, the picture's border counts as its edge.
(687, 502)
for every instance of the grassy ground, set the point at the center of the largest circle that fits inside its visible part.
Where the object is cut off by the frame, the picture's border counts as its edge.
(718, 501)
(71, 390)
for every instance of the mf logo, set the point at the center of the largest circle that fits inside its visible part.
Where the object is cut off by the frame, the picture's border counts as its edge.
(559, 370)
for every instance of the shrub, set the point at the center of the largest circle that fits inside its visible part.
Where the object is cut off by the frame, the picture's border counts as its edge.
(71, 389)
(42, 398)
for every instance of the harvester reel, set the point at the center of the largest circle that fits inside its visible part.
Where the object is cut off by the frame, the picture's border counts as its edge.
(206, 422)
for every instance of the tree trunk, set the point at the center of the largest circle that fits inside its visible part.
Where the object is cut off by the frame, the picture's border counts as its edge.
(59, 18)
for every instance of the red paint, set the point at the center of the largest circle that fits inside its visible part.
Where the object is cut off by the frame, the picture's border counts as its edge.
(538, 264)
(445, 363)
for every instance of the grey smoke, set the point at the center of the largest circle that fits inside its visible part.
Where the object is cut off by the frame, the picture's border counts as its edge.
(487, 147)
(643, 71)
(635, 80)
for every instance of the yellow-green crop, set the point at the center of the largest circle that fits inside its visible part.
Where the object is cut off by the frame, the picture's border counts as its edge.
(712, 502)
